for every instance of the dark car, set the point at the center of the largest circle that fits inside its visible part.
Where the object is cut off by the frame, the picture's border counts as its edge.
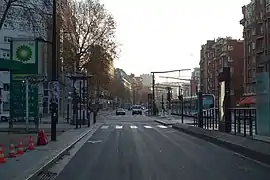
(137, 109)
(120, 111)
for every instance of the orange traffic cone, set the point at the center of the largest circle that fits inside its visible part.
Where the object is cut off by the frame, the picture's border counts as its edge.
(20, 148)
(31, 143)
(2, 156)
(11, 153)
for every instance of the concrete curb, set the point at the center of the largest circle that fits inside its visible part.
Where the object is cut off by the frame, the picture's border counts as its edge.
(48, 164)
(164, 123)
(252, 154)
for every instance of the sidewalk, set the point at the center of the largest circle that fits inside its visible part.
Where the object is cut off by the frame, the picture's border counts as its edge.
(31, 162)
(249, 147)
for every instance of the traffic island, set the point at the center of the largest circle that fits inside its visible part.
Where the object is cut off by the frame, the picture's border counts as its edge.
(246, 146)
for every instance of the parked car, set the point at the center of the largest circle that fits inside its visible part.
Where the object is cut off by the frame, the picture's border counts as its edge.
(120, 111)
(4, 117)
(137, 109)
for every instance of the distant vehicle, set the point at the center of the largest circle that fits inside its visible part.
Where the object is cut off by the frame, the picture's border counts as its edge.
(120, 111)
(137, 109)
(4, 117)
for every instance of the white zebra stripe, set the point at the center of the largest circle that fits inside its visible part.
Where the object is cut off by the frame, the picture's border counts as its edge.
(148, 127)
(163, 127)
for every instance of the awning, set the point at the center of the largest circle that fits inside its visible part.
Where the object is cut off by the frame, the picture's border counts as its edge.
(247, 100)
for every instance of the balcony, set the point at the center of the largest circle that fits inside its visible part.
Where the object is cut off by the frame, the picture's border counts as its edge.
(259, 50)
(259, 35)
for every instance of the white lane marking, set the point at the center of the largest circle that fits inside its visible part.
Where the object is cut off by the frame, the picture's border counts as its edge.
(148, 127)
(104, 127)
(133, 127)
(161, 126)
(118, 127)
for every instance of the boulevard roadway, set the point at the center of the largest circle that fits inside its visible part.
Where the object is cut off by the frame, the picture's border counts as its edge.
(136, 148)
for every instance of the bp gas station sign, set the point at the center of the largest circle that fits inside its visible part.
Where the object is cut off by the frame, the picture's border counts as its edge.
(23, 94)
(24, 51)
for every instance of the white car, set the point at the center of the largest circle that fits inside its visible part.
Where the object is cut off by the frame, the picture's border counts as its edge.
(137, 109)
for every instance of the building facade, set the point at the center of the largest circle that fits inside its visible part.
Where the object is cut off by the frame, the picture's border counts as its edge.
(39, 30)
(206, 56)
(146, 80)
(256, 29)
(223, 52)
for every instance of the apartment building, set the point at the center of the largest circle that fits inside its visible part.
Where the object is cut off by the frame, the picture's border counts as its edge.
(206, 57)
(224, 52)
(256, 29)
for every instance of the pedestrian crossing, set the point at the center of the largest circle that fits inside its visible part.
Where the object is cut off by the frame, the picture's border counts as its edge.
(132, 126)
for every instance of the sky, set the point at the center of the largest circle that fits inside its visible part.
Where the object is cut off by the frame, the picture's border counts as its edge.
(160, 35)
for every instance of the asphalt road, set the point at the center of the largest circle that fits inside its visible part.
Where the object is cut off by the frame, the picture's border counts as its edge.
(135, 148)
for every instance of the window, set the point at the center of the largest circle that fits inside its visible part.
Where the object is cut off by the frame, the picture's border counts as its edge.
(230, 47)
(6, 87)
(45, 110)
(230, 59)
(253, 73)
(45, 85)
(46, 92)
(232, 70)
(7, 39)
(5, 53)
(6, 106)
(253, 45)
(253, 32)
(253, 59)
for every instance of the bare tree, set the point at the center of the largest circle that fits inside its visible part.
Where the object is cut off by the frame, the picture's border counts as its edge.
(90, 26)
(27, 15)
